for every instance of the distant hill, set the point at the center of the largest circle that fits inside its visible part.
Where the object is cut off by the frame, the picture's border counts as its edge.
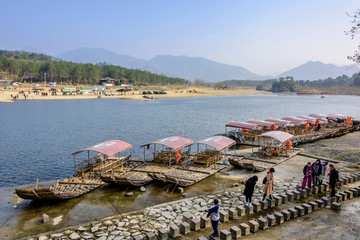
(197, 67)
(318, 70)
(192, 68)
(97, 55)
(176, 66)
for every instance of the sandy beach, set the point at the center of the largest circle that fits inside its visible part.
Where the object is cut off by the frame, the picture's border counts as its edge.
(171, 92)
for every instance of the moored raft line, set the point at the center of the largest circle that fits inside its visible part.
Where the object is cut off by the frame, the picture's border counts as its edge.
(305, 128)
(333, 125)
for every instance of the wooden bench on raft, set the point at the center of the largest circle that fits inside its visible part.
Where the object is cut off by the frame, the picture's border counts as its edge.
(207, 158)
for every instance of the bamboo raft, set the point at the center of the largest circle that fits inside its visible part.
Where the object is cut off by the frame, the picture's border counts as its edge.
(138, 176)
(162, 163)
(192, 174)
(201, 166)
(330, 130)
(86, 179)
(259, 162)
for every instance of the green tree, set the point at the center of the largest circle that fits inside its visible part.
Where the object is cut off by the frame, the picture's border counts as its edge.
(356, 81)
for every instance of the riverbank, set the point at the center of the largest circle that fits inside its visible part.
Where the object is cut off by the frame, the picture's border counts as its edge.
(162, 216)
(171, 92)
(158, 207)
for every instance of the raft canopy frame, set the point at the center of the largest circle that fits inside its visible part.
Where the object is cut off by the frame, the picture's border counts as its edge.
(217, 142)
(313, 119)
(263, 124)
(241, 125)
(277, 135)
(338, 116)
(297, 120)
(318, 116)
(280, 122)
(176, 143)
(277, 139)
(110, 148)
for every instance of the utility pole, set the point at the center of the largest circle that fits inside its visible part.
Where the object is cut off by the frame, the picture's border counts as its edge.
(44, 79)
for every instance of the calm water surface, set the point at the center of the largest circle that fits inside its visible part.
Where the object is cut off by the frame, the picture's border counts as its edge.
(37, 137)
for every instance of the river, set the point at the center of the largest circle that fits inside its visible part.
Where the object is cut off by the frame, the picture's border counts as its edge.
(37, 137)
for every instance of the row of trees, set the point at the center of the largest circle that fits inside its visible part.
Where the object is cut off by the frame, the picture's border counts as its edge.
(33, 68)
(288, 84)
(23, 55)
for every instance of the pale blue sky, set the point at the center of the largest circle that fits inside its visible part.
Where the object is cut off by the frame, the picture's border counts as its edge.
(266, 37)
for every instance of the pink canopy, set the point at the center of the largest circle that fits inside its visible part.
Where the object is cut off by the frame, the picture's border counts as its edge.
(317, 115)
(109, 147)
(295, 119)
(280, 122)
(261, 123)
(338, 115)
(241, 125)
(174, 142)
(278, 135)
(312, 118)
(218, 142)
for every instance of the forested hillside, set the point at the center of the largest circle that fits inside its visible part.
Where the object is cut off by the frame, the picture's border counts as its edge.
(25, 66)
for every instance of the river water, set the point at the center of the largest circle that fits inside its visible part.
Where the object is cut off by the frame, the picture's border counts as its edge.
(37, 137)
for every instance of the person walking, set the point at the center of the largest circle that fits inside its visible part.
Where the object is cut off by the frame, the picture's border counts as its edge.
(269, 184)
(307, 175)
(323, 171)
(334, 179)
(316, 172)
(249, 189)
(214, 214)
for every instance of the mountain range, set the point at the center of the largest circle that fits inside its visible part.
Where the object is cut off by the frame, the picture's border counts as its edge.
(201, 68)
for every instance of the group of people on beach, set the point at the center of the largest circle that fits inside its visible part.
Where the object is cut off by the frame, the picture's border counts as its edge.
(313, 175)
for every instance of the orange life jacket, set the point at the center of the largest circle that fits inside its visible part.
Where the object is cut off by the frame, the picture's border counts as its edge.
(288, 145)
(348, 120)
(317, 122)
(177, 156)
(276, 150)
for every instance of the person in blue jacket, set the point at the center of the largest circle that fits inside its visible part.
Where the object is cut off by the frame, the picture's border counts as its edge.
(214, 214)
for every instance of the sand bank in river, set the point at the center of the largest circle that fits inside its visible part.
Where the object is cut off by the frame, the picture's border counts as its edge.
(172, 92)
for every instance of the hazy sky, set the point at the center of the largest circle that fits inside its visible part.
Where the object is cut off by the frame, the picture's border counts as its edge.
(265, 37)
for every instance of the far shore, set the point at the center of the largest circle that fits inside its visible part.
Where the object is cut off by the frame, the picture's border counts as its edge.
(171, 92)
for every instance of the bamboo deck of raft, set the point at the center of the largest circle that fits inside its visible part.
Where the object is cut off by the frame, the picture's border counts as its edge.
(140, 175)
(190, 170)
(161, 163)
(191, 174)
(85, 180)
(259, 162)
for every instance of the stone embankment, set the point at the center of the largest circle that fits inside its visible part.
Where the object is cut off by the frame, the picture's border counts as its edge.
(179, 217)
